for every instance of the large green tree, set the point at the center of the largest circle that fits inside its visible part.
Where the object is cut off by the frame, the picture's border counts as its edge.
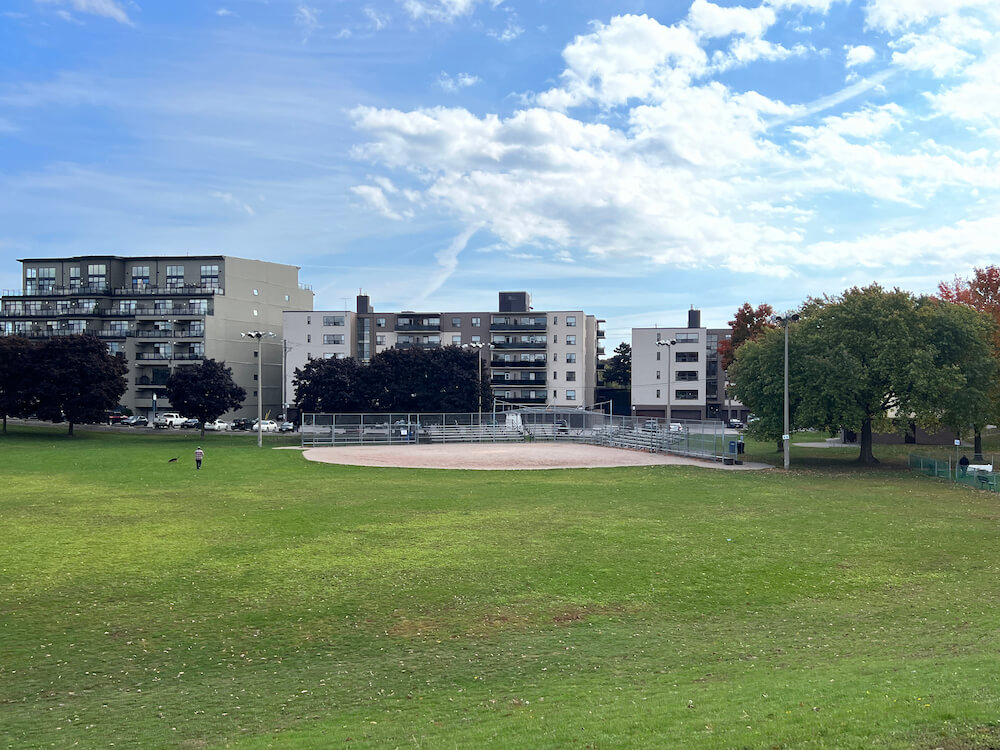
(869, 355)
(76, 378)
(618, 369)
(330, 385)
(17, 368)
(205, 391)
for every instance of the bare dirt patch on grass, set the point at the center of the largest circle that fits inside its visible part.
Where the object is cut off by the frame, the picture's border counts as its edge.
(503, 456)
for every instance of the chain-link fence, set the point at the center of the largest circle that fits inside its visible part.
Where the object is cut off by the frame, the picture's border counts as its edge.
(706, 439)
(980, 476)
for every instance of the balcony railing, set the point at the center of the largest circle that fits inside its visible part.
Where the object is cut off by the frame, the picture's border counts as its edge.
(76, 312)
(519, 345)
(58, 291)
(600, 333)
(521, 382)
(148, 382)
(418, 327)
(145, 291)
(152, 312)
(418, 345)
(163, 357)
(529, 363)
(517, 326)
(166, 334)
(104, 290)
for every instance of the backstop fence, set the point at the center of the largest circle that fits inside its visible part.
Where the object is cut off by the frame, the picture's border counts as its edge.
(704, 439)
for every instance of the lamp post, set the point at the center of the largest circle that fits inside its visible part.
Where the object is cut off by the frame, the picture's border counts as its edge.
(667, 344)
(154, 408)
(786, 438)
(260, 383)
(479, 346)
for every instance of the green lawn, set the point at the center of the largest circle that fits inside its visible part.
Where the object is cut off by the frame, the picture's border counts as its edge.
(268, 602)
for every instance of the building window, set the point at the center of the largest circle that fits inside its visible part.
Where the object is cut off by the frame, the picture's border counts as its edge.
(97, 275)
(255, 313)
(657, 392)
(555, 338)
(140, 277)
(333, 320)
(255, 377)
(555, 375)
(456, 340)
(333, 338)
(571, 320)
(198, 306)
(571, 340)
(309, 320)
(686, 338)
(380, 339)
(571, 395)
(477, 339)
(286, 298)
(571, 375)
(210, 277)
(657, 374)
(126, 306)
(555, 356)
(555, 320)
(571, 357)
(555, 394)
(476, 322)
(685, 356)
(686, 395)
(309, 338)
(683, 375)
(456, 322)
(175, 277)
(658, 356)
(380, 322)
(255, 354)
(256, 293)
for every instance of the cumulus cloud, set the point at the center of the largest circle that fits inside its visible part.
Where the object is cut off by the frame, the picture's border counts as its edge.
(859, 55)
(893, 15)
(107, 8)
(453, 84)
(711, 20)
(439, 10)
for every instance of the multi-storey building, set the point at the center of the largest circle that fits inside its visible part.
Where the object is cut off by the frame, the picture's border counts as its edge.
(531, 357)
(163, 312)
(676, 373)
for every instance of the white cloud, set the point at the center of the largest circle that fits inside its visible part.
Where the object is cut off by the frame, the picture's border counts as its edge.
(224, 12)
(711, 20)
(307, 19)
(893, 15)
(231, 200)
(106, 8)
(977, 99)
(929, 52)
(377, 20)
(859, 55)
(375, 197)
(439, 10)
(818, 6)
(510, 32)
(452, 84)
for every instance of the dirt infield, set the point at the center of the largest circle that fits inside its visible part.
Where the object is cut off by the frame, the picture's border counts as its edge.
(493, 456)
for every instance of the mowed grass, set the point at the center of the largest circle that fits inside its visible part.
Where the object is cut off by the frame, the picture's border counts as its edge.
(269, 602)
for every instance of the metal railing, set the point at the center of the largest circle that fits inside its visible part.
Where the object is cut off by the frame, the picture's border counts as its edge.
(702, 439)
(980, 477)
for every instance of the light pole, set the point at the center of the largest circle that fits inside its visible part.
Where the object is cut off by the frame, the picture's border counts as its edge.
(260, 384)
(668, 344)
(786, 438)
(479, 346)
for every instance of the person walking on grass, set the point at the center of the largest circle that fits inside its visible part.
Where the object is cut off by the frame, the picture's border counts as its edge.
(199, 454)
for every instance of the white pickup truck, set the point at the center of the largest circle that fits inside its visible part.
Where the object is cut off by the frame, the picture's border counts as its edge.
(168, 419)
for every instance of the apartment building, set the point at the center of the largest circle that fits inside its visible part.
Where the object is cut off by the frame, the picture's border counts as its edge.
(164, 312)
(531, 357)
(676, 373)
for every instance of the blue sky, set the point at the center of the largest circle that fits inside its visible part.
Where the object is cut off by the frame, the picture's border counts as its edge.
(628, 158)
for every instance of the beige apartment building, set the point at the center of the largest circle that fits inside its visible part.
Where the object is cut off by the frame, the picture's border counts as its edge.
(540, 358)
(164, 312)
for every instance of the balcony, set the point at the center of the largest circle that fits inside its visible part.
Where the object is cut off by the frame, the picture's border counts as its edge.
(528, 363)
(517, 326)
(601, 333)
(145, 381)
(519, 382)
(152, 357)
(419, 345)
(519, 345)
(519, 400)
(58, 291)
(109, 333)
(418, 327)
(165, 291)
(166, 334)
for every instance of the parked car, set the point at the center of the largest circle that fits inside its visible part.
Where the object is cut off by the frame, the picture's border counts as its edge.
(651, 425)
(735, 424)
(115, 417)
(676, 427)
(136, 421)
(267, 425)
(240, 424)
(168, 419)
(190, 424)
(219, 425)
(286, 427)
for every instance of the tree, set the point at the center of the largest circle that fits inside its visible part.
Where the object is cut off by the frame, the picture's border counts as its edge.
(426, 380)
(618, 369)
(981, 293)
(869, 355)
(78, 379)
(747, 325)
(330, 385)
(204, 391)
(16, 376)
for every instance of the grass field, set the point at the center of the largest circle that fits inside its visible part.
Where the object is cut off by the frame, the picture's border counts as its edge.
(269, 602)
